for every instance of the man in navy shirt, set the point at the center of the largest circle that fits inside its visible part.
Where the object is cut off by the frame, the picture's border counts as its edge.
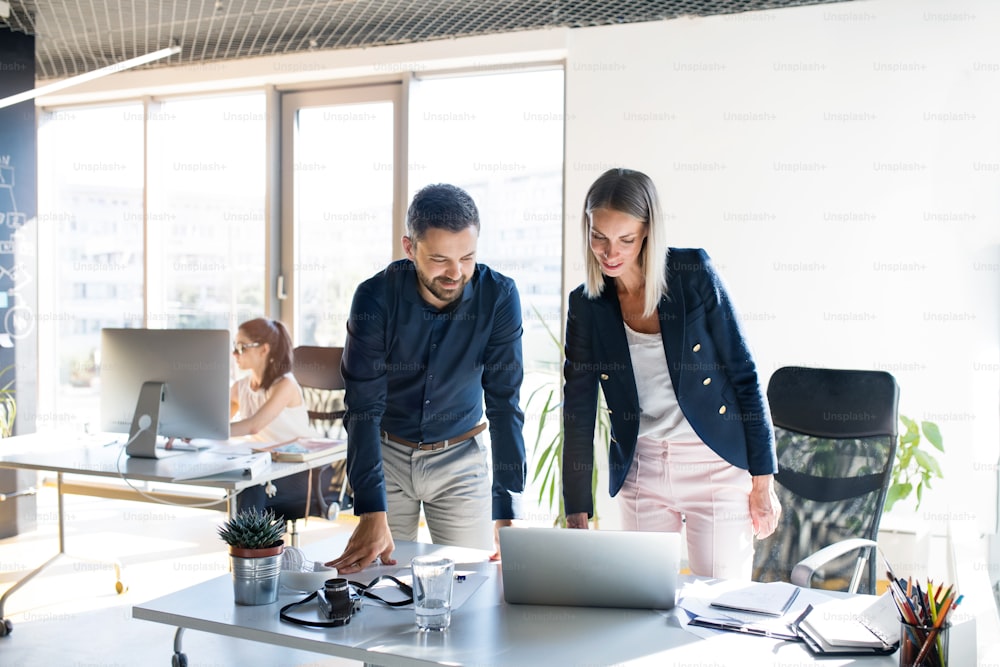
(428, 339)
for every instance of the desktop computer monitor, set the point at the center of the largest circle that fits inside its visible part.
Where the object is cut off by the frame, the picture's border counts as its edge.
(168, 382)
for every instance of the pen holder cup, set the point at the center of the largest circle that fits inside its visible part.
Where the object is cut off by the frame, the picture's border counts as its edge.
(923, 645)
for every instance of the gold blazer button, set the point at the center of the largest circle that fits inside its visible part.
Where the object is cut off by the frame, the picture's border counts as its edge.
(707, 381)
(604, 376)
(697, 346)
(722, 410)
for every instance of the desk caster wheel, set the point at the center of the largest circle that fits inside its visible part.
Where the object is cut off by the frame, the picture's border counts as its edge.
(6, 628)
(179, 660)
(120, 587)
(333, 511)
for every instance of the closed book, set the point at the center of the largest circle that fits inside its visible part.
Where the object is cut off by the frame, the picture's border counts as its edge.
(303, 449)
(772, 599)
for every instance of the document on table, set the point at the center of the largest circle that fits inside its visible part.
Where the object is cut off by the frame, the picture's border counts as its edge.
(218, 462)
(773, 599)
(698, 615)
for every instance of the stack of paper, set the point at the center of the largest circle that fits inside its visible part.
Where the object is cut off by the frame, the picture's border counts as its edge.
(212, 463)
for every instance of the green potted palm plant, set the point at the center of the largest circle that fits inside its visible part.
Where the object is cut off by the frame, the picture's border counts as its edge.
(548, 446)
(255, 540)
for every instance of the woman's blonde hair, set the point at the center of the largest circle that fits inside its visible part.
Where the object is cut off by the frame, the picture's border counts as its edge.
(631, 192)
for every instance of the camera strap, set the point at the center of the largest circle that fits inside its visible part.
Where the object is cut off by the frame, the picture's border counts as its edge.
(363, 590)
(285, 616)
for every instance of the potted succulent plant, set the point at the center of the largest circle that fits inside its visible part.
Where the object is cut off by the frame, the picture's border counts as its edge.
(255, 540)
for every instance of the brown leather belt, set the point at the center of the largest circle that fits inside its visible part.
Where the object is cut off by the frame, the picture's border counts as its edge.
(434, 446)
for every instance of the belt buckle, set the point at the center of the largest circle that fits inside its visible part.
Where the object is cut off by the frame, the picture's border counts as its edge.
(431, 446)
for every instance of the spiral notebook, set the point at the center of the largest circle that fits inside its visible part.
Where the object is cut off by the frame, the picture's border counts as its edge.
(859, 625)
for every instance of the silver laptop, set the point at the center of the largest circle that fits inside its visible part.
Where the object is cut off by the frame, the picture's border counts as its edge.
(589, 568)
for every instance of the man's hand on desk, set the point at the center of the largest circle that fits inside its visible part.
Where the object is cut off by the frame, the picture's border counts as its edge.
(370, 540)
(578, 520)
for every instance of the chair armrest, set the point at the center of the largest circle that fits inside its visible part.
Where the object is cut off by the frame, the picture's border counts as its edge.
(804, 570)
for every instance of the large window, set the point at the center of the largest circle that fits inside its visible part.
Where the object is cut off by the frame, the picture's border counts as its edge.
(500, 137)
(206, 212)
(192, 257)
(90, 166)
(340, 187)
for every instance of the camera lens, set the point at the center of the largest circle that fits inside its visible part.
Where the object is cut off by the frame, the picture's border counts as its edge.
(334, 586)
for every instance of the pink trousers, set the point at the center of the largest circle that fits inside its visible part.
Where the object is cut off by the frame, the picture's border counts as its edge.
(674, 485)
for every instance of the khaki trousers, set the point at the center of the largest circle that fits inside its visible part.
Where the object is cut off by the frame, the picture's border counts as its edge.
(451, 485)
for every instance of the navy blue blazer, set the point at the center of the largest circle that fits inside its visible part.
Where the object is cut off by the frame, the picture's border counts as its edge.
(710, 365)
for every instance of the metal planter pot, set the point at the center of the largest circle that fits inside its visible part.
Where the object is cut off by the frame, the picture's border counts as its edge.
(255, 574)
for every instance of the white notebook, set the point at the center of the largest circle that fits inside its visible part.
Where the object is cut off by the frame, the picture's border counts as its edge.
(845, 625)
(772, 598)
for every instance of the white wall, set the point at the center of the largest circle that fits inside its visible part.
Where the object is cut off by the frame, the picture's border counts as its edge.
(840, 163)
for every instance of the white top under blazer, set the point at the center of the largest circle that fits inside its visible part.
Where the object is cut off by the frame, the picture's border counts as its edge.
(660, 416)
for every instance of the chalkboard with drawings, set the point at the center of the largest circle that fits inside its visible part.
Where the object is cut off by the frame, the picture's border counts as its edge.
(18, 220)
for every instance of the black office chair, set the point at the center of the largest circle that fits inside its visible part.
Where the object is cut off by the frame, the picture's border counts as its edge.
(836, 442)
(317, 370)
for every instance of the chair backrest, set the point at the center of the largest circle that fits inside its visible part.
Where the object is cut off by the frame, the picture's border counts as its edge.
(317, 370)
(836, 436)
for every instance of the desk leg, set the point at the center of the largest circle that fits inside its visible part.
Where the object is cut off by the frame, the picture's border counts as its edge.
(120, 587)
(178, 659)
(5, 625)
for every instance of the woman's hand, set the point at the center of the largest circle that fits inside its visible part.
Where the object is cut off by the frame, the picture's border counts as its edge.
(765, 510)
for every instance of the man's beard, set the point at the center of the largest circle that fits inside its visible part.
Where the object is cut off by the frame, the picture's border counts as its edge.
(435, 287)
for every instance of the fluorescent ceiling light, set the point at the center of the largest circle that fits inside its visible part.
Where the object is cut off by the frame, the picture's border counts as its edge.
(89, 76)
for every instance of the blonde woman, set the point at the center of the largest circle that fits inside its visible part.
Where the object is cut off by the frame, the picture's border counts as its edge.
(692, 444)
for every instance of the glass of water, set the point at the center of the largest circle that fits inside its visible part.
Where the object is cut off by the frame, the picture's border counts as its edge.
(433, 577)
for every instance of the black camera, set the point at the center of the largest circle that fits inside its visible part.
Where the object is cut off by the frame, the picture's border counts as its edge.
(338, 602)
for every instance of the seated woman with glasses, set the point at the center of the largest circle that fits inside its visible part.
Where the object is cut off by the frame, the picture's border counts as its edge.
(267, 406)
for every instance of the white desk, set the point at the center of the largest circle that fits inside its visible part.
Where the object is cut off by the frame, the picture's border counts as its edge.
(484, 631)
(60, 454)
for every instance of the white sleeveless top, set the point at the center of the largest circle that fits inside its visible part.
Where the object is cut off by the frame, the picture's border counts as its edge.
(660, 416)
(290, 423)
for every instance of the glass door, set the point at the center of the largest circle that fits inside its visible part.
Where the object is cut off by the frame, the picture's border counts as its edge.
(343, 193)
